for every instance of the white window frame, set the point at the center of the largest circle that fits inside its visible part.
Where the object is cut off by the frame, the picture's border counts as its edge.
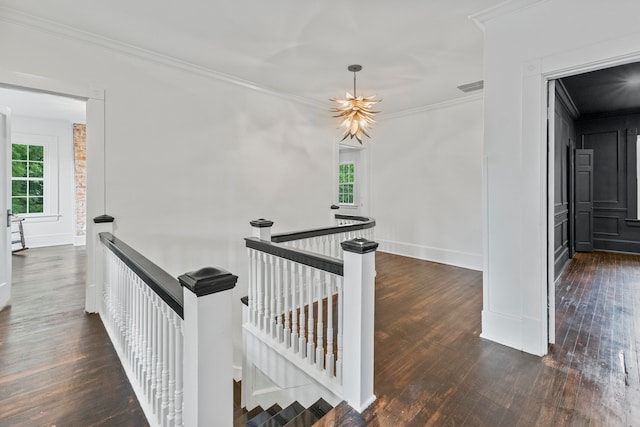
(50, 181)
(353, 183)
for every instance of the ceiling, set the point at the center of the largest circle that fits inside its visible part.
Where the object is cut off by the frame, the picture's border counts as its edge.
(607, 90)
(414, 53)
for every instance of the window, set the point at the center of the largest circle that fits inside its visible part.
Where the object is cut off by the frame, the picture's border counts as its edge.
(346, 183)
(27, 178)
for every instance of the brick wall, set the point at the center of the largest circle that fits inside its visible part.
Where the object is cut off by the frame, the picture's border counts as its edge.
(80, 161)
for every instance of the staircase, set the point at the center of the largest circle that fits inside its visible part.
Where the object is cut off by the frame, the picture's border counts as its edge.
(294, 415)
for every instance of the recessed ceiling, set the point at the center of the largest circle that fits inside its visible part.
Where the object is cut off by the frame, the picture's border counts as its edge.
(43, 105)
(607, 90)
(414, 53)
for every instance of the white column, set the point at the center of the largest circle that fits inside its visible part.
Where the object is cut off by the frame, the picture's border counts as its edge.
(359, 297)
(96, 263)
(208, 347)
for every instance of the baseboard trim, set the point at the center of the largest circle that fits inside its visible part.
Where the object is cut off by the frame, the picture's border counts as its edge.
(443, 256)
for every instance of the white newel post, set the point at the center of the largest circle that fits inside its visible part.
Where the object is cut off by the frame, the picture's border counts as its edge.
(261, 228)
(95, 263)
(208, 347)
(359, 305)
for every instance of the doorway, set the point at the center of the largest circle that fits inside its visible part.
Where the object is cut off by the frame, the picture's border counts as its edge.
(48, 173)
(593, 159)
(95, 118)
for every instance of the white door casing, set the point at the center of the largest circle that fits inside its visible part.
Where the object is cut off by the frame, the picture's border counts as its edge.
(5, 206)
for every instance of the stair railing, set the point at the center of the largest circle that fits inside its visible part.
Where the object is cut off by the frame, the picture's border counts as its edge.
(161, 329)
(327, 240)
(315, 310)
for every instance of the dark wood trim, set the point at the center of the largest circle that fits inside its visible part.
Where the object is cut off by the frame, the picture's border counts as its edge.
(163, 284)
(359, 246)
(208, 280)
(325, 231)
(103, 218)
(321, 262)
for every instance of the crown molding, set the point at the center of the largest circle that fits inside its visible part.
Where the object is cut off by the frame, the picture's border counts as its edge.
(436, 106)
(16, 17)
(507, 7)
(13, 16)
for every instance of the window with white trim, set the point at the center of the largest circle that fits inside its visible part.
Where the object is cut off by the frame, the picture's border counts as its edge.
(346, 183)
(27, 178)
(34, 175)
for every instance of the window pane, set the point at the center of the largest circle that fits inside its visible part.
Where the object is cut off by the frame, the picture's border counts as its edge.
(36, 170)
(18, 188)
(19, 169)
(19, 205)
(36, 153)
(36, 188)
(19, 152)
(351, 166)
(36, 205)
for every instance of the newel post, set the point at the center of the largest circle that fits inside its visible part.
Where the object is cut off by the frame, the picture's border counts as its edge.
(359, 305)
(95, 263)
(261, 228)
(208, 347)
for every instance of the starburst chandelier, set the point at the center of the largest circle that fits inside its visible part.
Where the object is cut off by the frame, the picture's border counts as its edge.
(355, 111)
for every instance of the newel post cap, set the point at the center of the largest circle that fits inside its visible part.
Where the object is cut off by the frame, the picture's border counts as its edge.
(103, 218)
(208, 280)
(359, 246)
(261, 223)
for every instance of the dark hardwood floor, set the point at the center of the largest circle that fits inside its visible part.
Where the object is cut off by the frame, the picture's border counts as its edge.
(57, 365)
(432, 369)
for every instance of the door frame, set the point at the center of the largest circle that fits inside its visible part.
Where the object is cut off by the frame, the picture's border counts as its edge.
(535, 84)
(95, 167)
(5, 233)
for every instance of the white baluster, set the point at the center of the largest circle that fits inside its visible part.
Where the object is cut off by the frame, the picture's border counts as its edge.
(340, 328)
(302, 343)
(286, 333)
(319, 323)
(253, 293)
(279, 329)
(310, 320)
(260, 286)
(272, 297)
(172, 368)
(329, 358)
(293, 270)
(179, 379)
(153, 375)
(164, 406)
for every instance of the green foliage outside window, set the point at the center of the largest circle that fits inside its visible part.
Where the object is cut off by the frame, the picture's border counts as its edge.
(27, 178)
(346, 183)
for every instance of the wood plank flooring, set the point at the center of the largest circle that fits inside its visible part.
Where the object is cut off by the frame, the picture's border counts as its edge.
(432, 369)
(57, 365)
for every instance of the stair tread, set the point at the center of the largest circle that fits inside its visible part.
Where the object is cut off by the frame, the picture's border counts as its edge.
(304, 419)
(284, 416)
(252, 413)
(320, 408)
(264, 416)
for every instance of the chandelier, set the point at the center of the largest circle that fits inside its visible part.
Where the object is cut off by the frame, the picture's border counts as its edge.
(355, 111)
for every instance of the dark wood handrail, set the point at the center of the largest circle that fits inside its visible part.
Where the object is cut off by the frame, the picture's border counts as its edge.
(163, 284)
(363, 224)
(321, 262)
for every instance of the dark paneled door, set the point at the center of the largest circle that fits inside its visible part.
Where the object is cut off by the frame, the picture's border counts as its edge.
(584, 200)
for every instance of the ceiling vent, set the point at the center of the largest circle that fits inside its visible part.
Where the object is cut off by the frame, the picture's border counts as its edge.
(471, 87)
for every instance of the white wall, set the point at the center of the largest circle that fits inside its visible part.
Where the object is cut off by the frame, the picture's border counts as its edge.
(55, 228)
(191, 159)
(522, 49)
(426, 173)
